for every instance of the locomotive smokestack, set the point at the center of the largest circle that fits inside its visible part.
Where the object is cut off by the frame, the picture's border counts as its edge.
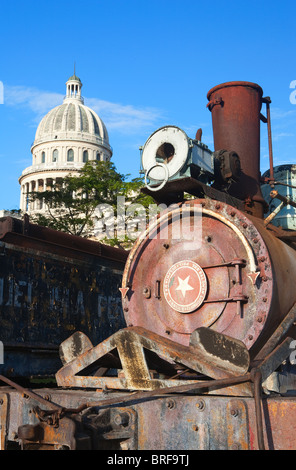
(235, 108)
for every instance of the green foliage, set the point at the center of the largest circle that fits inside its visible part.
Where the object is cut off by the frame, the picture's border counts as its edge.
(72, 202)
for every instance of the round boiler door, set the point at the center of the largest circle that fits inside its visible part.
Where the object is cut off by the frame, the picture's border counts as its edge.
(173, 285)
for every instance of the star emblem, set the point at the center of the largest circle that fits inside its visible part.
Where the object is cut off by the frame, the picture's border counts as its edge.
(183, 285)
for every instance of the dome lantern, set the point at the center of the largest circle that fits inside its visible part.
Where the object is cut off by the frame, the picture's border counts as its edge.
(72, 120)
(73, 88)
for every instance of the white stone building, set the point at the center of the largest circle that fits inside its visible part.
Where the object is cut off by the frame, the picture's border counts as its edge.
(67, 136)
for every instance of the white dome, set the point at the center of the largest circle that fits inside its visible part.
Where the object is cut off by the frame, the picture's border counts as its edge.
(67, 137)
(72, 120)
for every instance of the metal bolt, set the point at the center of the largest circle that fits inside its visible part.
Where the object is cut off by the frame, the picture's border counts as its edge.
(121, 419)
(234, 412)
(235, 446)
(195, 427)
(200, 405)
(147, 292)
(171, 404)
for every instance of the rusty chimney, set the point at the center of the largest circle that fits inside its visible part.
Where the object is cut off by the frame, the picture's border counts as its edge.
(235, 108)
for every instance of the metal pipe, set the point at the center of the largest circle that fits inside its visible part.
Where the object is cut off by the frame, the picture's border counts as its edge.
(256, 379)
(235, 108)
(278, 335)
(29, 393)
(267, 100)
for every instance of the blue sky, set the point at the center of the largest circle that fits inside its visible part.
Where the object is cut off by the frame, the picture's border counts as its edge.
(143, 64)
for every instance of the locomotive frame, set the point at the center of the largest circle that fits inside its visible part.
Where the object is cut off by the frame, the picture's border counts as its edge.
(187, 379)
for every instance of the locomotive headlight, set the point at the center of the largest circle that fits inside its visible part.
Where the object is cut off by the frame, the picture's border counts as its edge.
(170, 154)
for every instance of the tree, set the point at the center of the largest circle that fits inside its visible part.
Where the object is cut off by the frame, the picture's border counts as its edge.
(78, 204)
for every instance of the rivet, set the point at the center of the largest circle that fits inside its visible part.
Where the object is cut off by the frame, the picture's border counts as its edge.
(121, 419)
(171, 404)
(250, 337)
(200, 405)
(235, 446)
(147, 292)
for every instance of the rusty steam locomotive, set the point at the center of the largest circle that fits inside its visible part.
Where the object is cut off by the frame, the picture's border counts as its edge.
(209, 303)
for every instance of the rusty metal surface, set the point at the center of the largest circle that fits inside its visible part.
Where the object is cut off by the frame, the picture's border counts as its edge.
(174, 190)
(4, 408)
(27, 235)
(226, 239)
(47, 292)
(246, 267)
(217, 424)
(41, 436)
(165, 358)
(170, 422)
(207, 325)
(246, 423)
(235, 108)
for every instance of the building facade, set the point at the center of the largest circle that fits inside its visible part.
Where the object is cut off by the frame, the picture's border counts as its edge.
(67, 137)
